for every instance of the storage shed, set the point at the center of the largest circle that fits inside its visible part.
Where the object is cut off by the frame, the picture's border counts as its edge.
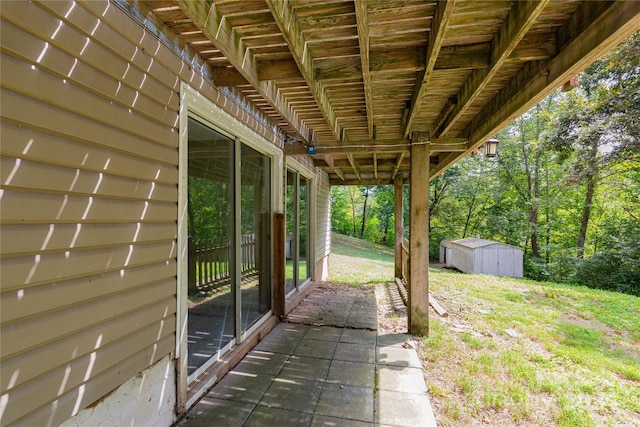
(479, 256)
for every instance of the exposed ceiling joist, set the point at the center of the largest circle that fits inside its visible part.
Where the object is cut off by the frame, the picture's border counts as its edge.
(208, 19)
(363, 39)
(444, 12)
(590, 32)
(292, 33)
(354, 165)
(521, 18)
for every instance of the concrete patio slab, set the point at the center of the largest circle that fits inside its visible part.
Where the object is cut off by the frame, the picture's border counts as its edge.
(306, 375)
(316, 348)
(262, 362)
(402, 409)
(324, 421)
(209, 412)
(242, 387)
(292, 394)
(351, 373)
(355, 352)
(323, 333)
(263, 416)
(306, 368)
(358, 336)
(344, 401)
(397, 356)
(285, 344)
(394, 378)
(393, 340)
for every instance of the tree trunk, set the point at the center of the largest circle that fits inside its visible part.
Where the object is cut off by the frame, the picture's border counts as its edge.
(468, 219)
(353, 211)
(364, 212)
(586, 214)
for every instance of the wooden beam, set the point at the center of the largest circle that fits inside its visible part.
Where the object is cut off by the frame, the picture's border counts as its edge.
(398, 164)
(398, 184)
(385, 179)
(408, 60)
(339, 172)
(443, 14)
(375, 165)
(362, 23)
(377, 146)
(596, 32)
(332, 69)
(279, 70)
(418, 309)
(208, 19)
(521, 17)
(354, 165)
(292, 33)
(228, 76)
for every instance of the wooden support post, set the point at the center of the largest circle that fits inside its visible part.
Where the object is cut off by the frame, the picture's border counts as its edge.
(399, 223)
(418, 312)
(278, 264)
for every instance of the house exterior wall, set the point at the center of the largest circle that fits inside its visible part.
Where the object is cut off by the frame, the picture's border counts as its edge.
(323, 228)
(88, 210)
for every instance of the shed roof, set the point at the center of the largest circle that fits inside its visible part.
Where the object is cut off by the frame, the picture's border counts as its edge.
(363, 80)
(473, 243)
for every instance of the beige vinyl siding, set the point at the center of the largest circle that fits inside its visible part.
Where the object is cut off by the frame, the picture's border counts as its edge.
(323, 215)
(88, 168)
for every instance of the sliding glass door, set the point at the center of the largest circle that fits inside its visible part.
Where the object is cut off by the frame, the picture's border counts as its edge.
(297, 269)
(229, 242)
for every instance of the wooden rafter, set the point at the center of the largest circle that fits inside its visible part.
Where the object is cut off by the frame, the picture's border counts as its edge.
(354, 165)
(292, 33)
(444, 12)
(217, 29)
(398, 164)
(592, 32)
(363, 38)
(520, 19)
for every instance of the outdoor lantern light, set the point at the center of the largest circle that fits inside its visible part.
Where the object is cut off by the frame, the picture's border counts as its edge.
(491, 147)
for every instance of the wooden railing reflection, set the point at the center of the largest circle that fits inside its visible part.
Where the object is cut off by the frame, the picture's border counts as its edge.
(209, 261)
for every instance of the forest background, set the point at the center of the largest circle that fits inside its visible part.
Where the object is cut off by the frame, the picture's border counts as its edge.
(565, 185)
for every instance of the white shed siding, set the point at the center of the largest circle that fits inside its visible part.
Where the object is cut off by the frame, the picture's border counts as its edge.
(477, 256)
(90, 104)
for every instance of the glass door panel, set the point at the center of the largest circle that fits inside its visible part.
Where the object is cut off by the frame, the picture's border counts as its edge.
(255, 229)
(291, 244)
(303, 221)
(211, 295)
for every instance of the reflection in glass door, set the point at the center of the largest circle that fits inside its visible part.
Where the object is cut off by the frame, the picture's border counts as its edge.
(297, 269)
(303, 221)
(255, 225)
(211, 294)
(229, 273)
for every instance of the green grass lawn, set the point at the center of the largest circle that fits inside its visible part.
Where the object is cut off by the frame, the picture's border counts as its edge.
(519, 352)
(356, 262)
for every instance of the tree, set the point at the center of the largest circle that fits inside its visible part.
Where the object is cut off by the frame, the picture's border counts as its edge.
(598, 125)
